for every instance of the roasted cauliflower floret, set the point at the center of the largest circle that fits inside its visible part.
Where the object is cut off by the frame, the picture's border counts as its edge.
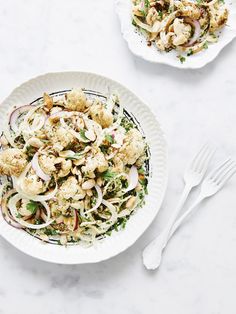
(188, 8)
(101, 115)
(218, 16)
(66, 166)
(12, 162)
(76, 100)
(98, 162)
(47, 163)
(133, 147)
(68, 188)
(62, 138)
(32, 184)
(182, 32)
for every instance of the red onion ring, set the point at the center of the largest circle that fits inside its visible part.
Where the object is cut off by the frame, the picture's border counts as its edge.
(197, 31)
(40, 173)
(15, 114)
(99, 200)
(133, 179)
(5, 213)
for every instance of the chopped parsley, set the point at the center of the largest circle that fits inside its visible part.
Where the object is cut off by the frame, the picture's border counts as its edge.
(18, 215)
(146, 3)
(108, 175)
(82, 134)
(160, 13)
(190, 52)
(75, 156)
(51, 232)
(109, 138)
(32, 207)
(182, 59)
(205, 46)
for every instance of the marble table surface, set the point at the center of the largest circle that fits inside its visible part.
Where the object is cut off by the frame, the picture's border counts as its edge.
(198, 274)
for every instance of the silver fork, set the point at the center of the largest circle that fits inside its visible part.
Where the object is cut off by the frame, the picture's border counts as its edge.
(193, 176)
(210, 186)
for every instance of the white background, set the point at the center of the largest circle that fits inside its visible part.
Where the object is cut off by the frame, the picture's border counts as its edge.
(198, 274)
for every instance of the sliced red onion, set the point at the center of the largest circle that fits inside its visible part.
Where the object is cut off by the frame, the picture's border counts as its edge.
(5, 213)
(197, 31)
(15, 114)
(99, 200)
(13, 210)
(133, 179)
(40, 173)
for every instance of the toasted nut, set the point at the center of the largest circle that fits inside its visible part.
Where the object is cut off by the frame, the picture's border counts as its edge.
(79, 162)
(89, 192)
(131, 202)
(63, 239)
(35, 142)
(99, 181)
(48, 102)
(89, 184)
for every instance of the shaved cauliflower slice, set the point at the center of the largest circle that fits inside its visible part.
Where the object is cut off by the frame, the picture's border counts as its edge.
(12, 162)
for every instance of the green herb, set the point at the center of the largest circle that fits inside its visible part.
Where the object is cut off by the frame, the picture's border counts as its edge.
(144, 13)
(123, 225)
(181, 59)
(141, 171)
(108, 233)
(18, 215)
(108, 175)
(134, 23)
(205, 46)
(221, 1)
(127, 124)
(75, 156)
(32, 207)
(199, 1)
(146, 3)
(104, 149)
(160, 13)
(49, 232)
(190, 52)
(82, 134)
(109, 138)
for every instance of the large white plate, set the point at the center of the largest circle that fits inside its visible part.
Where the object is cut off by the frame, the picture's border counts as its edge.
(138, 45)
(139, 222)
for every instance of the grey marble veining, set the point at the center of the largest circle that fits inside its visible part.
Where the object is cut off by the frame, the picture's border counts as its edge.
(198, 274)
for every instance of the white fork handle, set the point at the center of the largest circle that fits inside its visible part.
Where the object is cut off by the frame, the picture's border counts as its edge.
(152, 253)
(185, 215)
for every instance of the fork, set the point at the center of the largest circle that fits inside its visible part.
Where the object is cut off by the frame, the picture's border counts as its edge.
(192, 177)
(210, 186)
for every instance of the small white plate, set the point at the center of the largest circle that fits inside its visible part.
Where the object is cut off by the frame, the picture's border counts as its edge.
(139, 222)
(138, 44)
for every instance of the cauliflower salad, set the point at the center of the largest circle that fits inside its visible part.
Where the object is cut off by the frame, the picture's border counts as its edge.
(73, 167)
(184, 25)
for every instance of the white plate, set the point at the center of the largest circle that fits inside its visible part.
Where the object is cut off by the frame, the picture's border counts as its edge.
(138, 45)
(139, 222)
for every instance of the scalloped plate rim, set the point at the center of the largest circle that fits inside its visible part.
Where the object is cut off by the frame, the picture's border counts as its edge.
(65, 255)
(134, 46)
